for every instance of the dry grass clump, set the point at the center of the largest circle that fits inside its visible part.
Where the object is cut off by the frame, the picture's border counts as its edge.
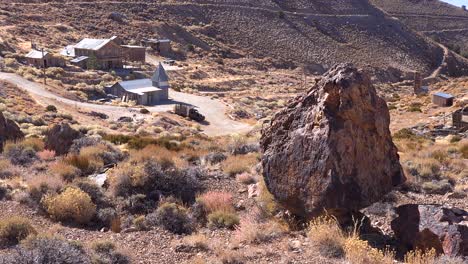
(86, 163)
(230, 257)
(71, 205)
(220, 209)
(14, 229)
(197, 241)
(238, 164)
(66, 171)
(250, 230)
(421, 257)
(327, 236)
(464, 150)
(174, 218)
(216, 201)
(165, 157)
(7, 170)
(266, 200)
(358, 251)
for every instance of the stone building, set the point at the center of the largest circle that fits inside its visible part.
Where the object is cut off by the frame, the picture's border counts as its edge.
(144, 91)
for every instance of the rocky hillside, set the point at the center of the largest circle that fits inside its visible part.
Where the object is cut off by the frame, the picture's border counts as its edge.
(442, 22)
(315, 33)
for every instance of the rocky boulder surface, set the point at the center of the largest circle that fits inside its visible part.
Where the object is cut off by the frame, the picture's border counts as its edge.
(9, 130)
(331, 148)
(60, 138)
(432, 226)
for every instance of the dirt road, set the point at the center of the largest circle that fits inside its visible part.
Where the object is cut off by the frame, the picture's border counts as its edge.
(218, 122)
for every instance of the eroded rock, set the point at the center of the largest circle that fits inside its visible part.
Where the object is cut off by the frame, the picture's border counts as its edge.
(9, 130)
(331, 148)
(432, 226)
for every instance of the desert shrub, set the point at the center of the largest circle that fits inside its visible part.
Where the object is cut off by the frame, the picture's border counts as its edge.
(150, 179)
(95, 146)
(216, 201)
(32, 142)
(223, 219)
(6, 169)
(326, 235)
(14, 229)
(51, 108)
(87, 164)
(66, 171)
(196, 241)
(140, 223)
(437, 187)
(138, 204)
(231, 257)
(455, 139)
(426, 168)
(107, 215)
(174, 218)
(71, 205)
(144, 111)
(406, 133)
(464, 150)
(42, 184)
(18, 154)
(94, 191)
(359, 252)
(415, 107)
(41, 249)
(420, 257)
(215, 157)
(106, 252)
(234, 165)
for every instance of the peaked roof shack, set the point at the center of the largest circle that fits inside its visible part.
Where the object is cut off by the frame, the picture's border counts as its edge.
(139, 86)
(160, 77)
(35, 54)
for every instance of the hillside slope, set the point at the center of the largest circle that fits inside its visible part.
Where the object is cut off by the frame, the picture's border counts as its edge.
(315, 33)
(442, 22)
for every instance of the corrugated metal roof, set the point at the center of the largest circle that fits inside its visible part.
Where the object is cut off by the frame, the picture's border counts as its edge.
(81, 58)
(444, 95)
(133, 46)
(92, 44)
(139, 86)
(35, 54)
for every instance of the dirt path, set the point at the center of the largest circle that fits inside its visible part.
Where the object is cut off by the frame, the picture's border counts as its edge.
(442, 65)
(218, 122)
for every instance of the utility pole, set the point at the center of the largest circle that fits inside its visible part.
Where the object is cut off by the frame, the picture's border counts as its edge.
(44, 67)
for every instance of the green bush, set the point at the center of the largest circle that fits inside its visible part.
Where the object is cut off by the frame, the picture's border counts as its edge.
(51, 108)
(223, 219)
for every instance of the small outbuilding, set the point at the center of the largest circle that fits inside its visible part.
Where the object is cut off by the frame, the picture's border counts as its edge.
(134, 53)
(144, 91)
(162, 46)
(443, 99)
(44, 59)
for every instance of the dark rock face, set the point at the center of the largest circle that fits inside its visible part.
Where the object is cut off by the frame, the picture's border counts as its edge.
(331, 148)
(9, 130)
(432, 226)
(60, 138)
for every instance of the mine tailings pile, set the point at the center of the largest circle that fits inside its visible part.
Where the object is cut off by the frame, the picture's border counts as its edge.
(331, 151)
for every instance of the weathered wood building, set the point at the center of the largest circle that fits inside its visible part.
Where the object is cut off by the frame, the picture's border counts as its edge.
(144, 91)
(460, 119)
(443, 99)
(45, 59)
(134, 53)
(100, 53)
(162, 46)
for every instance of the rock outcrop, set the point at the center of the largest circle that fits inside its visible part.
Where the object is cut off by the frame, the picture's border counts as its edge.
(60, 138)
(432, 226)
(331, 148)
(9, 130)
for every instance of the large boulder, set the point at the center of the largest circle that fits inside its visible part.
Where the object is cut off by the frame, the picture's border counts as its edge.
(331, 148)
(9, 131)
(60, 138)
(432, 226)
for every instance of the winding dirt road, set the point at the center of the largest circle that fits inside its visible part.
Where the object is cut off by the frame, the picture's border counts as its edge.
(218, 123)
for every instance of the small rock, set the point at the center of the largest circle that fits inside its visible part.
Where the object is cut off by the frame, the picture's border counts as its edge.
(242, 190)
(254, 191)
(240, 205)
(295, 245)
